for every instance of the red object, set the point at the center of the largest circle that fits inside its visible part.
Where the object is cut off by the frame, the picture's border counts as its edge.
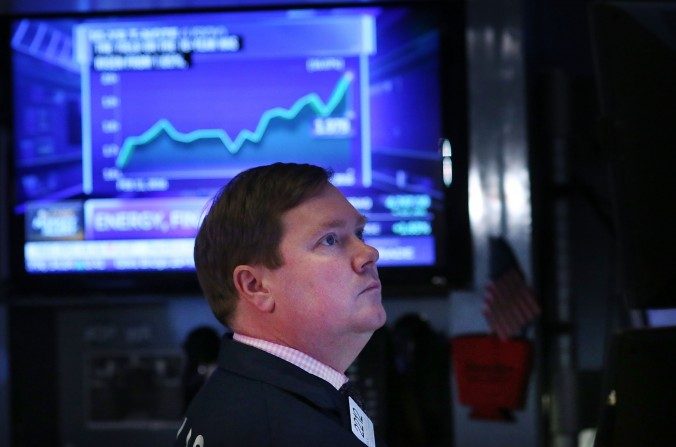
(491, 374)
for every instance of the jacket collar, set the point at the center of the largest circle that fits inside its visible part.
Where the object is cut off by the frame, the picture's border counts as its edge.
(259, 365)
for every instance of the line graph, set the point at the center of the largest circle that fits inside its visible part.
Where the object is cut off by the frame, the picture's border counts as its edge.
(233, 146)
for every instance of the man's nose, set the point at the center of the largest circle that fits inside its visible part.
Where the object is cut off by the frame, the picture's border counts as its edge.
(366, 256)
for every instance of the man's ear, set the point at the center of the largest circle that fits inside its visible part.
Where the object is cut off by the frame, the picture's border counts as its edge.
(248, 281)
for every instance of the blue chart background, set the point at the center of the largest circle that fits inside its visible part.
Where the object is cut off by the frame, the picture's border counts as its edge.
(231, 92)
(229, 95)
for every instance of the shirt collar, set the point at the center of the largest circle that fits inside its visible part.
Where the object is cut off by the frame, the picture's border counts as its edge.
(301, 360)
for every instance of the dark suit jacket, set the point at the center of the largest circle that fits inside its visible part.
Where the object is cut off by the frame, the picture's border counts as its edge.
(254, 399)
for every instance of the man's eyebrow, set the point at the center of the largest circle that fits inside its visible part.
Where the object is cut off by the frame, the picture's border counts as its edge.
(340, 223)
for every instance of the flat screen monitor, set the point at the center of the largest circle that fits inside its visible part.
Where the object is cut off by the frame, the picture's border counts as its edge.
(125, 125)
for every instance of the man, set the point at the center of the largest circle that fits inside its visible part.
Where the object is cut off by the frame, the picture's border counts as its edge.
(281, 259)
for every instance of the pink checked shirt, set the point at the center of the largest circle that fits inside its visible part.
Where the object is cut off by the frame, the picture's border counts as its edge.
(303, 361)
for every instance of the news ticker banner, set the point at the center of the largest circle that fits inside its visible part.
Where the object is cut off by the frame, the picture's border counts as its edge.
(158, 234)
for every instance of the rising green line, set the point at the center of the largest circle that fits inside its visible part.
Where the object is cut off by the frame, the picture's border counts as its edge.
(233, 146)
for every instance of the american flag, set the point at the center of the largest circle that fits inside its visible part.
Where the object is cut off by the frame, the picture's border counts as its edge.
(509, 304)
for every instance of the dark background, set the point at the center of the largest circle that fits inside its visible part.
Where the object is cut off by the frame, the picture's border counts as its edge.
(580, 246)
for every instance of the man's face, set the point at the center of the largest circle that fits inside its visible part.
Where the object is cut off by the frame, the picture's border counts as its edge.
(327, 288)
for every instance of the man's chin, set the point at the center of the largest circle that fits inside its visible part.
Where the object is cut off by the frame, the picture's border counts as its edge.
(377, 319)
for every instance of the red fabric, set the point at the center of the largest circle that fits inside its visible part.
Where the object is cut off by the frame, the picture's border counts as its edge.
(491, 374)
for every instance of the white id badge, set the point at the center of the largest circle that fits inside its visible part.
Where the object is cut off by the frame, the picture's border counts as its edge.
(362, 427)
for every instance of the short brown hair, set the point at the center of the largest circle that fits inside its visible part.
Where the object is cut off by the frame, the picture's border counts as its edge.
(244, 226)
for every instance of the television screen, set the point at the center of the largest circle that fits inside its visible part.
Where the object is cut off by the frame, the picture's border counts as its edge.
(125, 125)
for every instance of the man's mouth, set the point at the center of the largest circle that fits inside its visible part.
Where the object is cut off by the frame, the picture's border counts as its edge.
(375, 285)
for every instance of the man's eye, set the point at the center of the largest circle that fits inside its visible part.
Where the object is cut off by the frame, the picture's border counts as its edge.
(330, 239)
(360, 234)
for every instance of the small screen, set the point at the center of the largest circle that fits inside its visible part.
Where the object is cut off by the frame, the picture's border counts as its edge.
(125, 127)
